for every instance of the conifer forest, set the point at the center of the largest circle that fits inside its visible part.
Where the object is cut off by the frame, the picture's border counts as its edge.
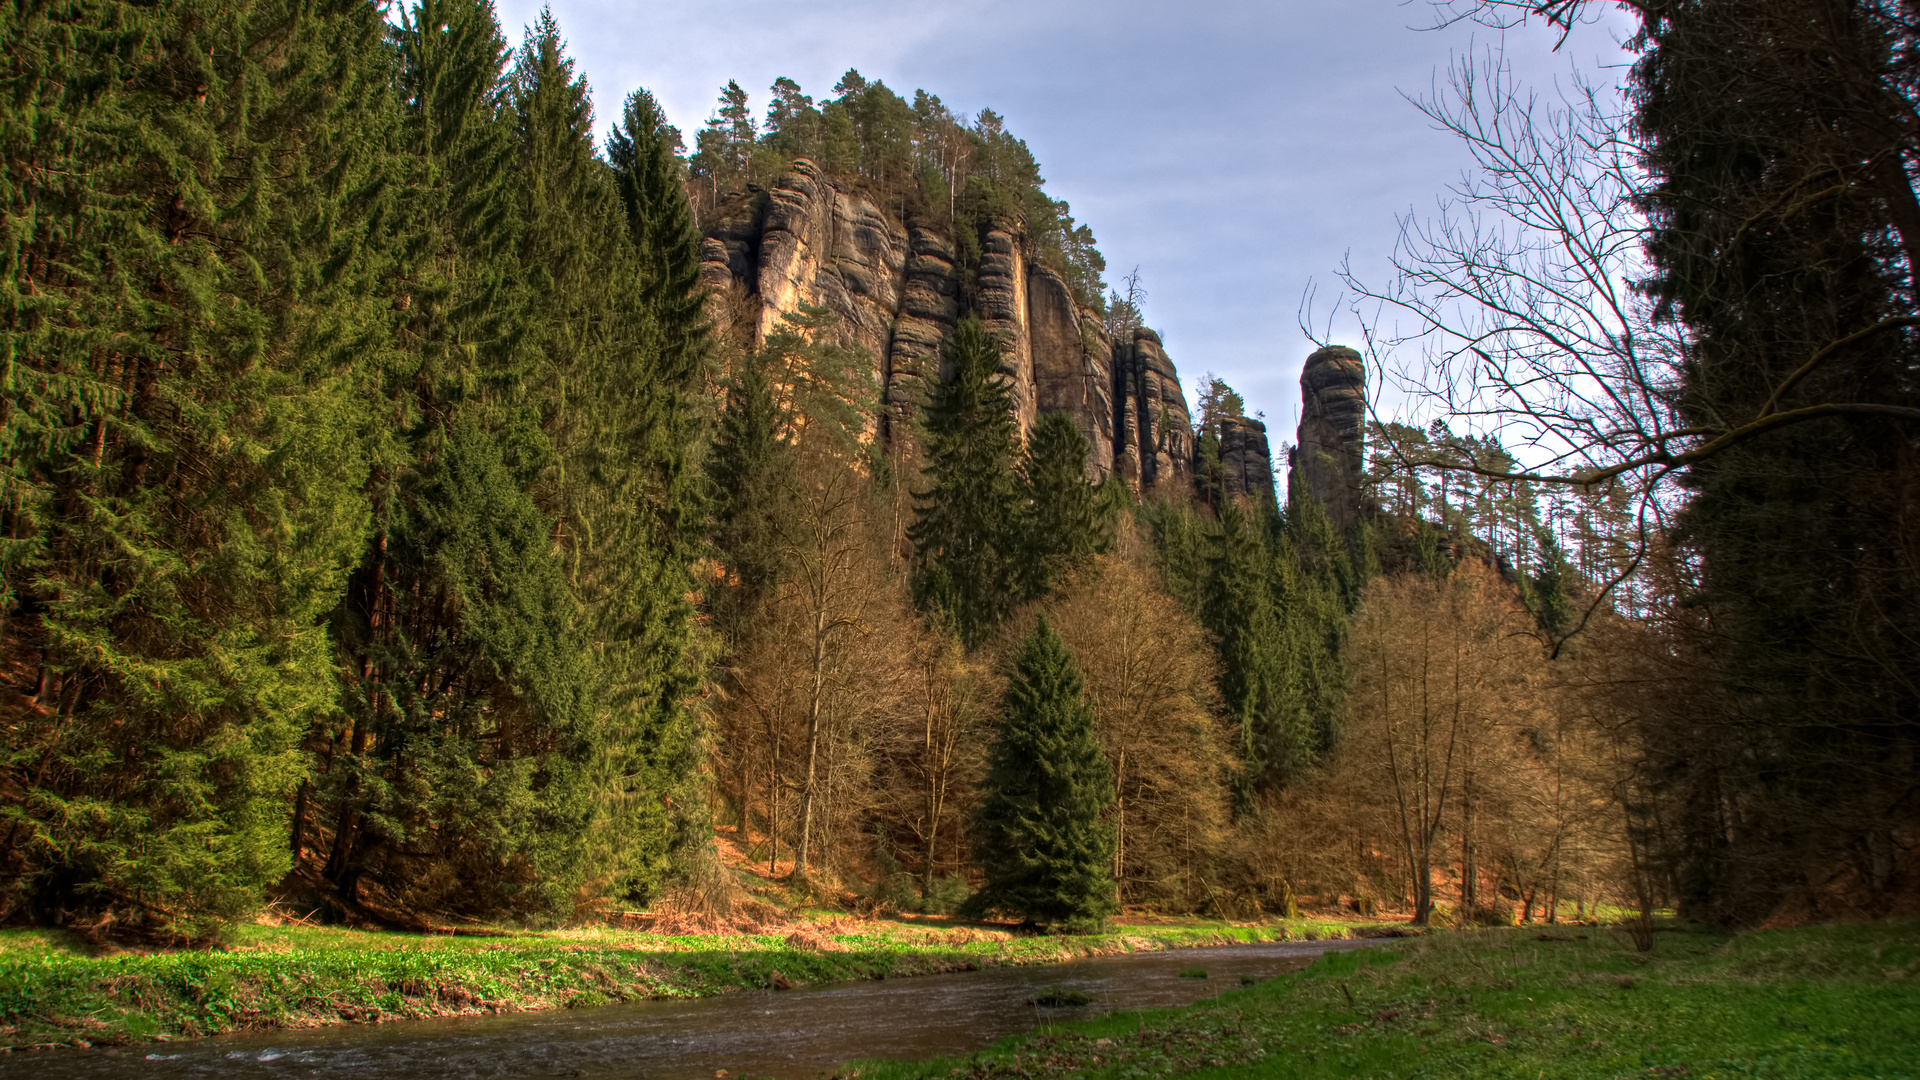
(423, 512)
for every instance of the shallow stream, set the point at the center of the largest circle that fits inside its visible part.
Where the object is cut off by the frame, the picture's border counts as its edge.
(804, 1033)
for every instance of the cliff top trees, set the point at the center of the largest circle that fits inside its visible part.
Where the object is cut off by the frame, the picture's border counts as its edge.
(1041, 841)
(915, 158)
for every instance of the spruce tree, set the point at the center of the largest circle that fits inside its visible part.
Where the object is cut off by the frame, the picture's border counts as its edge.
(196, 284)
(1274, 596)
(1066, 519)
(749, 473)
(1311, 569)
(643, 150)
(1237, 608)
(965, 533)
(1040, 837)
(621, 348)
(460, 615)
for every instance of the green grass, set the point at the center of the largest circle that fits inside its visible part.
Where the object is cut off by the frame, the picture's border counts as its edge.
(53, 992)
(1835, 1002)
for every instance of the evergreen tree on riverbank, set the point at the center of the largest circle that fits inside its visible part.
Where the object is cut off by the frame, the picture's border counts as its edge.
(1042, 840)
(198, 281)
(459, 612)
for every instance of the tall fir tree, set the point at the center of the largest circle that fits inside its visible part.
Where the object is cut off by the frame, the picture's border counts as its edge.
(1065, 519)
(1041, 838)
(196, 280)
(1784, 221)
(1237, 608)
(1274, 592)
(748, 473)
(455, 785)
(622, 349)
(965, 533)
(1313, 581)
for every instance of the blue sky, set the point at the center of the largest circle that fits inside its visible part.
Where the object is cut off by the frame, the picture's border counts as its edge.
(1236, 152)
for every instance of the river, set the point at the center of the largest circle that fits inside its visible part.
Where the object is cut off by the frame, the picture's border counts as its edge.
(795, 1034)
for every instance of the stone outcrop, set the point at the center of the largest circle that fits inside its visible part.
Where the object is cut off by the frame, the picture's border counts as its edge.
(1246, 463)
(822, 246)
(1153, 431)
(929, 306)
(898, 288)
(1072, 363)
(1329, 456)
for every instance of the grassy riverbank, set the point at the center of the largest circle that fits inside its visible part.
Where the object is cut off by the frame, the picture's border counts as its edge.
(1572, 1003)
(53, 993)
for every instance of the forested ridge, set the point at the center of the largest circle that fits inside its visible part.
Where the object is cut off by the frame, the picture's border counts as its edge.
(419, 514)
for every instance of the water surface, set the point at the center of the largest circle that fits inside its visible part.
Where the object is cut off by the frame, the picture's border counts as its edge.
(804, 1033)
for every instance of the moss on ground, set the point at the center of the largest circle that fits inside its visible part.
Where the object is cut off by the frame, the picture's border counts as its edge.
(54, 993)
(1525, 1002)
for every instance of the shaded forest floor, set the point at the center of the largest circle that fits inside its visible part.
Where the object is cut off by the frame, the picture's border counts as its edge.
(1521, 1002)
(55, 993)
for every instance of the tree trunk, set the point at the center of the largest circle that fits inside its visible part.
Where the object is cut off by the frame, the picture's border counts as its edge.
(936, 802)
(813, 742)
(1469, 867)
(1422, 890)
(297, 842)
(1120, 823)
(773, 806)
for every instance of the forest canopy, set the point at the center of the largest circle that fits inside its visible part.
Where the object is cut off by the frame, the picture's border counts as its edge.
(413, 516)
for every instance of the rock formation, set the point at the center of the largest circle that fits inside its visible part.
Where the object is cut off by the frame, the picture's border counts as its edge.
(898, 288)
(1153, 432)
(1245, 461)
(1329, 456)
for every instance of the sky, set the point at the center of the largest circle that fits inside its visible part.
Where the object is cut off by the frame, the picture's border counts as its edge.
(1236, 152)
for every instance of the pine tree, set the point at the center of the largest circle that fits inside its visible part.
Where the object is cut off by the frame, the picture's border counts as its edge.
(724, 148)
(196, 283)
(1041, 838)
(793, 124)
(965, 534)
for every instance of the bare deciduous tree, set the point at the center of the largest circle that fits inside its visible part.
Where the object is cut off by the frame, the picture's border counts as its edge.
(1150, 676)
(1440, 668)
(1516, 310)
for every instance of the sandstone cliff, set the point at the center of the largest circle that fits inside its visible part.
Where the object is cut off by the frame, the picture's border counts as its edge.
(898, 287)
(1245, 459)
(1328, 458)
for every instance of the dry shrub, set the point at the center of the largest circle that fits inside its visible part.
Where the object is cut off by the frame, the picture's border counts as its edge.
(809, 939)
